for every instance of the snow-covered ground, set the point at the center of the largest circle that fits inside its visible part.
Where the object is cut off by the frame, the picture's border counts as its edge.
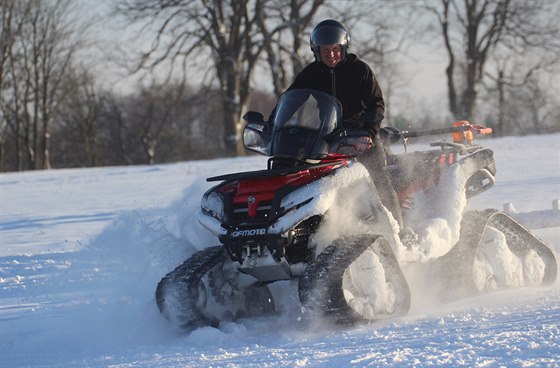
(81, 252)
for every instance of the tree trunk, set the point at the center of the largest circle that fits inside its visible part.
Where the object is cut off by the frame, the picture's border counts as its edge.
(501, 104)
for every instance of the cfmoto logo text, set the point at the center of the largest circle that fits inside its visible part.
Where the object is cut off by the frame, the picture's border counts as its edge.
(248, 232)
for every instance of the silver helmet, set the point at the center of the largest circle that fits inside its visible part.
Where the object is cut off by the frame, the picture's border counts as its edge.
(329, 32)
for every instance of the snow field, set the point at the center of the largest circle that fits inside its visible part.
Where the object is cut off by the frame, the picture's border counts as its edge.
(82, 251)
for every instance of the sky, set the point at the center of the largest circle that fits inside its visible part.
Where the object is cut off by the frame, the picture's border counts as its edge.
(82, 250)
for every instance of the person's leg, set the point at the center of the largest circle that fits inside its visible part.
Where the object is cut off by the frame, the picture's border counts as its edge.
(376, 163)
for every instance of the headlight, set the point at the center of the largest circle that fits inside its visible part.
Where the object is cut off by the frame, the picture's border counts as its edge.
(213, 204)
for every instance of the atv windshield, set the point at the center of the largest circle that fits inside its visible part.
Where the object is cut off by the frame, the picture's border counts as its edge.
(303, 118)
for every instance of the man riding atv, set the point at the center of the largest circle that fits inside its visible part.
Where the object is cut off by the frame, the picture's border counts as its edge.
(314, 216)
(350, 80)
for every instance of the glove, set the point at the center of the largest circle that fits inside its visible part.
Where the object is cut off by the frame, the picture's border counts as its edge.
(356, 145)
(362, 144)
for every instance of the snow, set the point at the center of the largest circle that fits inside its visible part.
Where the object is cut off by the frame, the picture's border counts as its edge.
(82, 251)
(437, 215)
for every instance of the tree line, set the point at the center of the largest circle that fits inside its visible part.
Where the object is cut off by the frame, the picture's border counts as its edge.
(502, 58)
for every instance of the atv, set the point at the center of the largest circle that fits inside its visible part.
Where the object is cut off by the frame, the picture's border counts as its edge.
(313, 217)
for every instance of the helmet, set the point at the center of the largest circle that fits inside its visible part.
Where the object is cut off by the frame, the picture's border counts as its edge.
(329, 32)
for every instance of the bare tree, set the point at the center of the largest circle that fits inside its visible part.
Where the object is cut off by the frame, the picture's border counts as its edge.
(224, 31)
(42, 43)
(156, 123)
(519, 103)
(154, 115)
(378, 38)
(517, 75)
(473, 30)
(77, 133)
(283, 24)
(13, 19)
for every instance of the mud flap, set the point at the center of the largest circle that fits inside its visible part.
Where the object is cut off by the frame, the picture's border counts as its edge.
(356, 279)
(207, 289)
(471, 267)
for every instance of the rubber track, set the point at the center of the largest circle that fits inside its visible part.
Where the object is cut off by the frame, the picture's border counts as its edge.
(320, 286)
(454, 271)
(182, 283)
(520, 241)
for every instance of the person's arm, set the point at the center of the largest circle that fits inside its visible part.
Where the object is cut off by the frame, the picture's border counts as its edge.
(374, 103)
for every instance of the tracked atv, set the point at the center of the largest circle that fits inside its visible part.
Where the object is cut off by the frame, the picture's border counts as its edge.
(314, 216)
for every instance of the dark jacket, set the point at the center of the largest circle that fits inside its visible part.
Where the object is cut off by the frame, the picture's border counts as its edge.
(352, 82)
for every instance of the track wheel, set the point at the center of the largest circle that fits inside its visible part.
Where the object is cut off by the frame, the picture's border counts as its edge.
(207, 289)
(355, 279)
(181, 294)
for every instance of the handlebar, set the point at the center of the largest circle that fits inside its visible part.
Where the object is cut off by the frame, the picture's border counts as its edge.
(461, 127)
